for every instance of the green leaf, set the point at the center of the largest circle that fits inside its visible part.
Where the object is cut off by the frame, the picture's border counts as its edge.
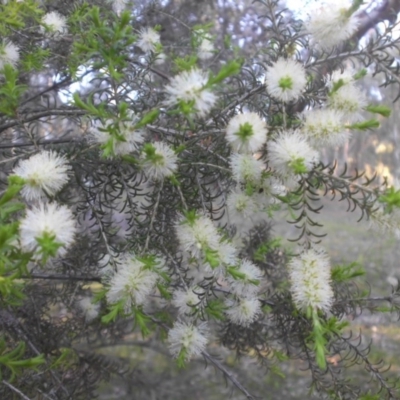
(364, 125)
(383, 110)
(148, 118)
(232, 68)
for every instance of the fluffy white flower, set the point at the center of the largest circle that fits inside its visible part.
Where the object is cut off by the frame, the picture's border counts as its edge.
(346, 76)
(9, 54)
(244, 280)
(54, 21)
(45, 174)
(325, 127)
(310, 280)
(246, 133)
(124, 140)
(149, 38)
(243, 311)
(383, 221)
(118, 5)
(245, 168)
(90, 310)
(272, 187)
(206, 48)
(48, 220)
(198, 235)
(188, 300)
(350, 100)
(159, 160)
(290, 154)
(330, 24)
(188, 87)
(286, 80)
(132, 283)
(244, 211)
(187, 338)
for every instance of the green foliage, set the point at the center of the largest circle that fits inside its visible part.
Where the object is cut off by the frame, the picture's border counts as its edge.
(231, 68)
(343, 273)
(12, 360)
(264, 248)
(365, 125)
(380, 109)
(10, 91)
(391, 199)
(185, 63)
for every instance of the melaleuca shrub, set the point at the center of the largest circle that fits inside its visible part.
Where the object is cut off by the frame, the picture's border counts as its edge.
(142, 185)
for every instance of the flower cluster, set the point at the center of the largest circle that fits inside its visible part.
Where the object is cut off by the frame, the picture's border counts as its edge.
(285, 80)
(48, 229)
(133, 282)
(310, 280)
(9, 54)
(45, 174)
(189, 90)
(331, 24)
(246, 133)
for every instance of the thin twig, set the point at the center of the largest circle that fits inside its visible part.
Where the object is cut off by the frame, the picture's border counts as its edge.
(228, 374)
(15, 390)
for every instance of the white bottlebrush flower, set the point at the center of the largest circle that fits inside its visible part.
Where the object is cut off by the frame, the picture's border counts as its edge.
(132, 283)
(129, 139)
(9, 54)
(159, 160)
(243, 311)
(118, 5)
(290, 154)
(187, 301)
(246, 133)
(350, 100)
(90, 310)
(382, 221)
(48, 220)
(310, 280)
(198, 235)
(330, 24)
(189, 87)
(187, 338)
(55, 22)
(206, 47)
(45, 174)
(245, 280)
(246, 168)
(148, 39)
(244, 211)
(325, 127)
(286, 80)
(272, 187)
(344, 77)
